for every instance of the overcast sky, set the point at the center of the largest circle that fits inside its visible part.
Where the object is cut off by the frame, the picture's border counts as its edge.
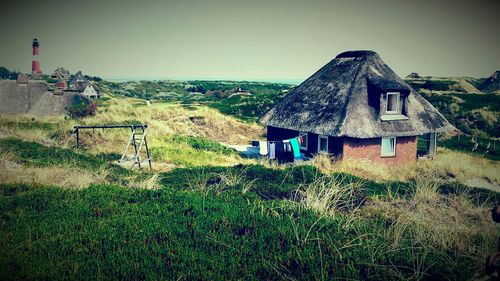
(249, 39)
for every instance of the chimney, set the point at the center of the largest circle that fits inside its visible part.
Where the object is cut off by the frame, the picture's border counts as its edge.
(35, 65)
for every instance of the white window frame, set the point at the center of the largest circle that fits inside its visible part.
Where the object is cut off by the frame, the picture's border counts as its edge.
(306, 138)
(391, 154)
(398, 98)
(319, 144)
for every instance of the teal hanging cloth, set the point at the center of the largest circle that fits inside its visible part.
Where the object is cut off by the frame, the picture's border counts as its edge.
(295, 147)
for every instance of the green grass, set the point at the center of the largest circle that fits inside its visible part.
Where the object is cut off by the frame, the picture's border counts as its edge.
(183, 232)
(241, 222)
(27, 125)
(486, 147)
(435, 85)
(201, 143)
(464, 115)
(245, 108)
(35, 154)
(109, 232)
(192, 151)
(477, 101)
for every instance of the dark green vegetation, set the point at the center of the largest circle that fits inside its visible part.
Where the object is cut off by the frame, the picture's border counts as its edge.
(482, 147)
(434, 85)
(109, 232)
(251, 228)
(38, 155)
(244, 100)
(201, 143)
(7, 74)
(475, 115)
(81, 108)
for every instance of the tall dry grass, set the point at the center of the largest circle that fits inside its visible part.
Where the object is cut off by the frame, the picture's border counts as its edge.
(449, 164)
(329, 195)
(67, 177)
(449, 222)
(162, 119)
(207, 182)
(151, 182)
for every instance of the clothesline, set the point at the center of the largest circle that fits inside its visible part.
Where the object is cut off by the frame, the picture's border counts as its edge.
(301, 136)
(284, 151)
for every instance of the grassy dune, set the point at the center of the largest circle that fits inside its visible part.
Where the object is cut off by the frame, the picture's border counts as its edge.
(206, 213)
(248, 222)
(166, 122)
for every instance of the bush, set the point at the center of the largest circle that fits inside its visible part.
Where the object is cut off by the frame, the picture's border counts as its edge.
(82, 109)
(438, 85)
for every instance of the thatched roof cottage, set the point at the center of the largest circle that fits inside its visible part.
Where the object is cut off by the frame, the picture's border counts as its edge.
(356, 107)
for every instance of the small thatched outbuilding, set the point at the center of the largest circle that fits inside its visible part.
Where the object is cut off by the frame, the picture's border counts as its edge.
(356, 107)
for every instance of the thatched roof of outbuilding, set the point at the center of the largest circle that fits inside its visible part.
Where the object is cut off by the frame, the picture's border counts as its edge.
(33, 99)
(334, 101)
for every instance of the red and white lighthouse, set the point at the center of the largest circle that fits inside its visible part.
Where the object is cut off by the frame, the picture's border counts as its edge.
(35, 65)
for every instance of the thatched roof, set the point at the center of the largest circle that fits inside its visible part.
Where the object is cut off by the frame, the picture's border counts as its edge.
(78, 78)
(335, 101)
(33, 99)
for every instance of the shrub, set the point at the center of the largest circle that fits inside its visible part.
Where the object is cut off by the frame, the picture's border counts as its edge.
(82, 109)
(329, 194)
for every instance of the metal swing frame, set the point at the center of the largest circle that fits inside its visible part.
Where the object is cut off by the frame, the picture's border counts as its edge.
(138, 140)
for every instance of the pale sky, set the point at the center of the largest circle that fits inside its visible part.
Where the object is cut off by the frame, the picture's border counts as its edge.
(255, 39)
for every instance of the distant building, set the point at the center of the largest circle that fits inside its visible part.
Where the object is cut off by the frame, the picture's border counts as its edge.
(22, 79)
(61, 84)
(413, 75)
(77, 79)
(91, 91)
(60, 74)
(240, 92)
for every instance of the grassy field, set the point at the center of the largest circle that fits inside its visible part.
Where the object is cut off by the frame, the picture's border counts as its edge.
(216, 94)
(242, 222)
(206, 213)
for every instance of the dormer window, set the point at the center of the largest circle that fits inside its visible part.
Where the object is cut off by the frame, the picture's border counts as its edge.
(392, 107)
(392, 104)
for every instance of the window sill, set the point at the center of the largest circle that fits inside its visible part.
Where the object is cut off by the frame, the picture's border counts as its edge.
(388, 156)
(393, 117)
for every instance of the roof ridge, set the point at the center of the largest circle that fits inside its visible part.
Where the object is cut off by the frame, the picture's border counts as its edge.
(356, 54)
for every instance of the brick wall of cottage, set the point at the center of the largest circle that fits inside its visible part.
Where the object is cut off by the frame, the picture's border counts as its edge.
(369, 150)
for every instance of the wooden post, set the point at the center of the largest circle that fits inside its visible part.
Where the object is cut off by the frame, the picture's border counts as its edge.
(147, 153)
(136, 154)
(77, 139)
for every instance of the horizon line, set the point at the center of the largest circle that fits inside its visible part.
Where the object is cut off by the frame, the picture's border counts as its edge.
(232, 79)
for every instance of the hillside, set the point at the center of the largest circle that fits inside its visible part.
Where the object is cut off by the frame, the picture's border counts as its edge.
(471, 105)
(254, 99)
(491, 84)
(206, 213)
(445, 84)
